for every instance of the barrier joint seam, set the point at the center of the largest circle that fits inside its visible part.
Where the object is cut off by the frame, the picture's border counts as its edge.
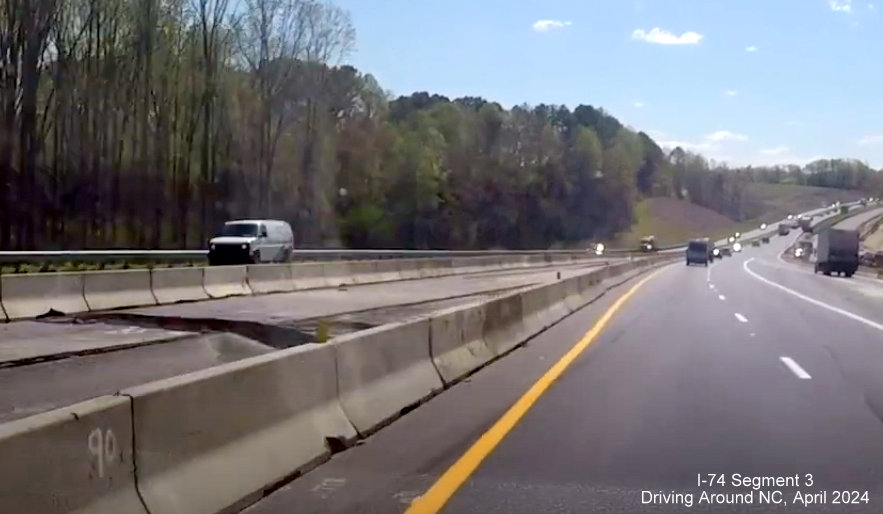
(135, 452)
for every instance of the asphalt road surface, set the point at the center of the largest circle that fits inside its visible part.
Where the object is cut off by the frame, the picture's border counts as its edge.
(91, 359)
(750, 368)
(299, 305)
(853, 222)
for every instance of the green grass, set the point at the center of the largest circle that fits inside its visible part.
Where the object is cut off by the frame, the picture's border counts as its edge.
(673, 221)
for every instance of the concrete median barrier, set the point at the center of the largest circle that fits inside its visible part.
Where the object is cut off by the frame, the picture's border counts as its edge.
(172, 285)
(409, 269)
(388, 270)
(117, 289)
(457, 341)
(382, 371)
(30, 295)
(215, 439)
(74, 459)
(430, 268)
(504, 324)
(445, 266)
(588, 285)
(513, 262)
(224, 281)
(338, 273)
(537, 315)
(270, 278)
(573, 297)
(557, 300)
(365, 272)
(308, 275)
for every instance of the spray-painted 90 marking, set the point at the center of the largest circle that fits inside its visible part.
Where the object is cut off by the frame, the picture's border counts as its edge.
(103, 449)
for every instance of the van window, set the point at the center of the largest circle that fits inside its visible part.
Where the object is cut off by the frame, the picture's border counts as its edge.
(240, 230)
(697, 246)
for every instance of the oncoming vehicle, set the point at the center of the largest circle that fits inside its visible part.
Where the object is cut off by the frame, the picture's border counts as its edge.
(726, 251)
(251, 242)
(698, 252)
(784, 230)
(648, 244)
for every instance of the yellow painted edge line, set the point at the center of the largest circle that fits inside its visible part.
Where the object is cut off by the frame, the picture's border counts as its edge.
(444, 488)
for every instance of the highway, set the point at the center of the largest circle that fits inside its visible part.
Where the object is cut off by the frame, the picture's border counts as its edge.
(46, 364)
(753, 366)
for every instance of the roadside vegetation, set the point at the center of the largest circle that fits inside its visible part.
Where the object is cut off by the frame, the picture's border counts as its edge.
(147, 123)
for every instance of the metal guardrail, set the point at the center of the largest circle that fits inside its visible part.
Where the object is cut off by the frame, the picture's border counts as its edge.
(173, 256)
(105, 256)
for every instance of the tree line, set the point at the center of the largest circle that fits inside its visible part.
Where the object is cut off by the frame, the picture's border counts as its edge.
(148, 123)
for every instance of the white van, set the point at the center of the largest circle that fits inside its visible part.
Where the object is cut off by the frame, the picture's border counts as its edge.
(251, 242)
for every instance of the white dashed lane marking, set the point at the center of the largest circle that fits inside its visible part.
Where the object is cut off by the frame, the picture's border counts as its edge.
(795, 368)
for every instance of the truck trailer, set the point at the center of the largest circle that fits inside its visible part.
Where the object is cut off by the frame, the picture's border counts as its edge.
(837, 252)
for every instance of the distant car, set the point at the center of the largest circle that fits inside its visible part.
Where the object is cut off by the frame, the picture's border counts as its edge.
(755, 243)
(698, 252)
(726, 251)
(765, 240)
(648, 244)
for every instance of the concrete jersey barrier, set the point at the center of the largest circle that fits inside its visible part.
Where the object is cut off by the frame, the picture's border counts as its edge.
(365, 272)
(214, 439)
(74, 459)
(224, 281)
(116, 289)
(2, 309)
(270, 278)
(504, 325)
(409, 269)
(338, 273)
(388, 270)
(308, 275)
(30, 295)
(172, 285)
(457, 341)
(384, 370)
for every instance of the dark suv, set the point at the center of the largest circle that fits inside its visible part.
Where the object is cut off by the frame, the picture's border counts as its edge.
(698, 251)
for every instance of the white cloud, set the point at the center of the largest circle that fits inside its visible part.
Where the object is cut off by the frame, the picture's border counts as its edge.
(638, 104)
(751, 48)
(871, 140)
(724, 135)
(871, 6)
(841, 5)
(777, 150)
(547, 25)
(686, 145)
(664, 37)
(656, 134)
(731, 92)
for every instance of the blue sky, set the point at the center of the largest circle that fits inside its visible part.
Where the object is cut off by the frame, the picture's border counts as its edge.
(743, 81)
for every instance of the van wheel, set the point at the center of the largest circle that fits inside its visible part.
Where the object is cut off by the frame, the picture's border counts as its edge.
(286, 255)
